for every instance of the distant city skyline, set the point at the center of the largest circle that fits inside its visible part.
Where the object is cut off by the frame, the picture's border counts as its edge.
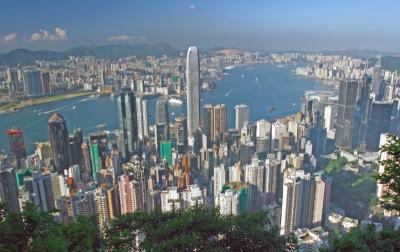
(263, 25)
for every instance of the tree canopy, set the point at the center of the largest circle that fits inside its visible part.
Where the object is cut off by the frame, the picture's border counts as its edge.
(390, 177)
(31, 230)
(198, 229)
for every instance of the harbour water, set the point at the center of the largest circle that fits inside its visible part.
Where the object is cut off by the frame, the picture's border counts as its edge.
(261, 87)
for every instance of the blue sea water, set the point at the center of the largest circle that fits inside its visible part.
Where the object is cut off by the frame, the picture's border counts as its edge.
(261, 87)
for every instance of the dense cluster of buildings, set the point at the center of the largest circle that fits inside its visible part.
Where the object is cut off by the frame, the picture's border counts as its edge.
(197, 160)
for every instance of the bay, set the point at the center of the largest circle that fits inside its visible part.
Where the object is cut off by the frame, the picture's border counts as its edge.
(261, 87)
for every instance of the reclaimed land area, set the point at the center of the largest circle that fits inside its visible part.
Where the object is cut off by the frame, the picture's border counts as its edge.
(17, 105)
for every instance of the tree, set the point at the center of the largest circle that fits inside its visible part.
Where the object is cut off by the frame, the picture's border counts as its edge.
(364, 239)
(197, 229)
(390, 177)
(31, 230)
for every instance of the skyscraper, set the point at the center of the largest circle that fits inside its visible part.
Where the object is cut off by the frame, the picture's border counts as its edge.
(378, 123)
(377, 80)
(59, 140)
(241, 116)
(145, 118)
(32, 83)
(45, 79)
(346, 109)
(162, 110)
(193, 89)
(9, 189)
(95, 159)
(17, 145)
(127, 122)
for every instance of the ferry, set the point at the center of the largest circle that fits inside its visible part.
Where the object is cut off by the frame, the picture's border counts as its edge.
(175, 101)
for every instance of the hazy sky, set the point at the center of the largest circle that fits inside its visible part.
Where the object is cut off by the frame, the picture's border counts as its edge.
(254, 24)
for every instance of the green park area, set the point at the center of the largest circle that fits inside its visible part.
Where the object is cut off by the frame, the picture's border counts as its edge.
(353, 192)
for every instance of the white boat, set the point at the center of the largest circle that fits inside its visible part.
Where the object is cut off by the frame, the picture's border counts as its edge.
(229, 67)
(279, 66)
(175, 101)
(242, 76)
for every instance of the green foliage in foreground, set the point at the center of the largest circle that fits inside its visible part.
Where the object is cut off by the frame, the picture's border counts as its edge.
(353, 192)
(34, 231)
(366, 239)
(198, 229)
(391, 175)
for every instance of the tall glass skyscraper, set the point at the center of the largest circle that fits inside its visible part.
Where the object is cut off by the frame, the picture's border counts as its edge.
(127, 122)
(59, 140)
(193, 89)
(32, 83)
(345, 120)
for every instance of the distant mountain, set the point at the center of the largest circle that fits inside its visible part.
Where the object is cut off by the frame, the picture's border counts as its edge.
(358, 53)
(391, 63)
(27, 57)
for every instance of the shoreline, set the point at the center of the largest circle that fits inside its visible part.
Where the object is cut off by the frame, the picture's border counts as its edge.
(16, 106)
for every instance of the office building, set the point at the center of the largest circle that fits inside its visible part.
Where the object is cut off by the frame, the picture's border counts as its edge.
(162, 115)
(59, 141)
(378, 123)
(95, 160)
(16, 141)
(193, 90)
(346, 109)
(46, 86)
(8, 189)
(32, 83)
(127, 123)
(242, 116)
(377, 80)
(329, 117)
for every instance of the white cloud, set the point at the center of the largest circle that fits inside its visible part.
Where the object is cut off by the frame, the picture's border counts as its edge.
(192, 7)
(125, 38)
(9, 38)
(58, 34)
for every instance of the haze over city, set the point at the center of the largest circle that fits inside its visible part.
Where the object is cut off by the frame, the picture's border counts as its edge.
(261, 25)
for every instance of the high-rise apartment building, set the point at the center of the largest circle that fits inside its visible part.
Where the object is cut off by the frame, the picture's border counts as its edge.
(130, 194)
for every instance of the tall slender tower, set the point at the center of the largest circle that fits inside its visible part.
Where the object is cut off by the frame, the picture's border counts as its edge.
(127, 122)
(193, 89)
(59, 140)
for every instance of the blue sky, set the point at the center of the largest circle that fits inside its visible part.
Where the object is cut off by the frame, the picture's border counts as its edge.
(254, 24)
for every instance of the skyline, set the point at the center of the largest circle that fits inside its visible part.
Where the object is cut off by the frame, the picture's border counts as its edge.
(257, 25)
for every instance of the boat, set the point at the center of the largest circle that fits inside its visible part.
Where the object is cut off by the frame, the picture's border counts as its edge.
(227, 94)
(242, 76)
(272, 109)
(74, 107)
(279, 66)
(175, 101)
(229, 67)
